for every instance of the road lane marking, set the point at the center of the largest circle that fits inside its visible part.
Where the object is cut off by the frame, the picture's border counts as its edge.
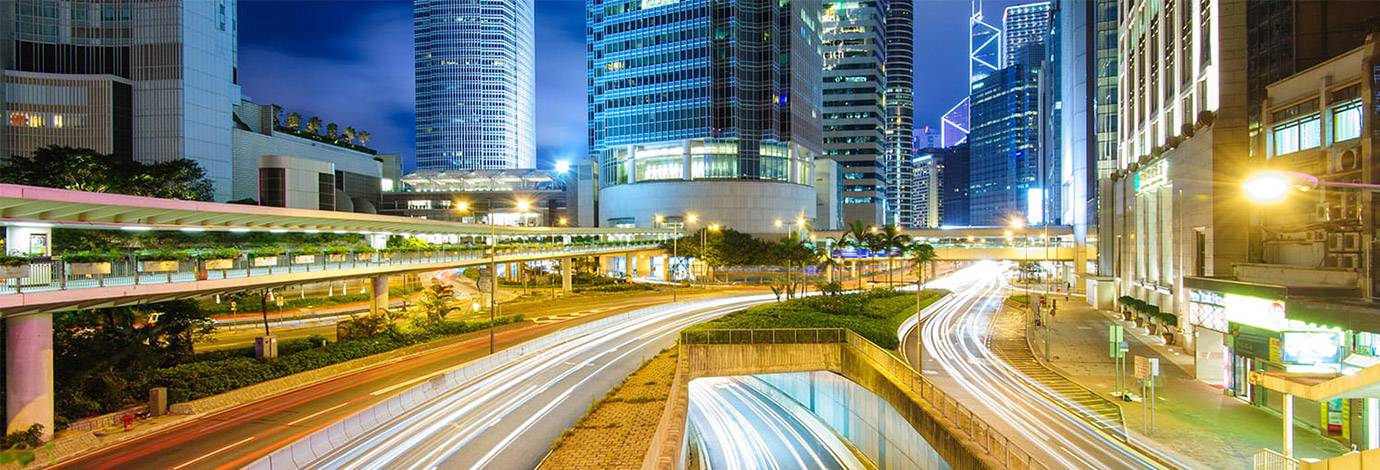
(313, 415)
(214, 452)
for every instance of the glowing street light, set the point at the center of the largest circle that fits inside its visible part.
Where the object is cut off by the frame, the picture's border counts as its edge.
(1017, 223)
(691, 218)
(1273, 186)
(562, 166)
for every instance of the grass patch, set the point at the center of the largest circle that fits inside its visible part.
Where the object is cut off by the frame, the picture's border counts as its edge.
(876, 314)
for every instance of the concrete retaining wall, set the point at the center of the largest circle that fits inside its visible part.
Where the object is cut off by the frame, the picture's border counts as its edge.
(962, 441)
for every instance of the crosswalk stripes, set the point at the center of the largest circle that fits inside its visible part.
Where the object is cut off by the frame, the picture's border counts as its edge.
(1008, 342)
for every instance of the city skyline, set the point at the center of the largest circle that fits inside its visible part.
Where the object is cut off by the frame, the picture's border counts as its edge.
(340, 61)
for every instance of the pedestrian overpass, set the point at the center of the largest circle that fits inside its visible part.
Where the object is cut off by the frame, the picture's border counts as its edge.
(1042, 243)
(44, 283)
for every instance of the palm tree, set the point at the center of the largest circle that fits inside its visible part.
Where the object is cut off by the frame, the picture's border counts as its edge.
(437, 301)
(826, 261)
(856, 236)
(922, 254)
(364, 137)
(314, 125)
(892, 238)
(350, 134)
(332, 131)
(294, 120)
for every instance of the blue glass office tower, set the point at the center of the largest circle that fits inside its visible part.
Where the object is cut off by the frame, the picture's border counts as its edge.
(709, 107)
(1005, 142)
(855, 108)
(476, 82)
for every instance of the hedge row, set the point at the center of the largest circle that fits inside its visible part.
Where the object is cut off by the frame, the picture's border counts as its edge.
(876, 315)
(205, 378)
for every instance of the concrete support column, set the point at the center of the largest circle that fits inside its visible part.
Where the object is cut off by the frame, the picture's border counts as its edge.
(627, 266)
(1288, 412)
(644, 265)
(829, 273)
(378, 294)
(567, 274)
(29, 373)
(666, 274)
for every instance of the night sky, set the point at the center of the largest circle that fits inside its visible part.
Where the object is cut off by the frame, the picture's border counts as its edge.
(350, 62)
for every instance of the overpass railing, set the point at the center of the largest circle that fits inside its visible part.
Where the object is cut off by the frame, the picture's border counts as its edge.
(966, 423)
(54, 273)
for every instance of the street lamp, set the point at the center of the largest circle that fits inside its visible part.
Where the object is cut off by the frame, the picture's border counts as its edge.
(675, 252)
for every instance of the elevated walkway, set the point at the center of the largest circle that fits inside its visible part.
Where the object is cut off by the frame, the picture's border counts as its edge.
(959, 436)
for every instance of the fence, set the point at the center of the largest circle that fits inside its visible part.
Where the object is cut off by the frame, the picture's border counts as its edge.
(52, 273)
(1267, 459)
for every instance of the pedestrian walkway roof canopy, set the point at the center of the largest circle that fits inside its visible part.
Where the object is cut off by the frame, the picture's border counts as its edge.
(974, 232)
(30, 205)
(1362, 384)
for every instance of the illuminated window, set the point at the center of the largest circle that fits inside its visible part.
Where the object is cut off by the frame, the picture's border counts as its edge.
(1296, 135)
(1346, 121)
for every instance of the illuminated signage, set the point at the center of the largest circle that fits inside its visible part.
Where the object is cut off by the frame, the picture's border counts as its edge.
(1255, 311)
(1320, 350)
(1152, 176)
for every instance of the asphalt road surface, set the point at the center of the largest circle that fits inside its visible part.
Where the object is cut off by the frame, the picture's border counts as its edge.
(956, 358)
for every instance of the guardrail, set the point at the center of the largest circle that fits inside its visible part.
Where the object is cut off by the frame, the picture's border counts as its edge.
(966, 424)
(52, 273)
(1267, 459)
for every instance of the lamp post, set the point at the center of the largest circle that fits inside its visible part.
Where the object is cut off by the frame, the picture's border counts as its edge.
(675, 251)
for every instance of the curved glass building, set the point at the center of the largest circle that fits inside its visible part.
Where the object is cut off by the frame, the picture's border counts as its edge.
(476, 84)
(692, 111)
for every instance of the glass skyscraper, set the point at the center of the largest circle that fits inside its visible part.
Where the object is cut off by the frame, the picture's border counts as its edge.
(900, 112)
(855, 59)
(476, 80)
(691, 110)
(1024, 25)
(1004, 144)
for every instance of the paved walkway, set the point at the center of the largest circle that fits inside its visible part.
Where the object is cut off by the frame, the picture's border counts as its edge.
(1192, 419)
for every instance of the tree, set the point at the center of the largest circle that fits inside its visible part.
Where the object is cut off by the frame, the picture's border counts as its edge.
(314, 125)
(891, 238)
(350, 134)
(364, 137)
(921, 254)
(176, 179)
(332, 131)
(856, 236)
(826, 261)
(294, 120)
(277, 114)
(87, 170)
(438, 301)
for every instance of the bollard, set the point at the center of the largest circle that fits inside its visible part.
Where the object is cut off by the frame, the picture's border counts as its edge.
(158, 401)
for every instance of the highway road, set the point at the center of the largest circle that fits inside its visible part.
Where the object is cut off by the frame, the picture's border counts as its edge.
(956, 358)
(236, 437)
(510, 417)
(736, 426)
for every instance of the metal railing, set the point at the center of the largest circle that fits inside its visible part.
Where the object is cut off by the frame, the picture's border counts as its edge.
(1267, 459)
(52, 273)
(965, 423)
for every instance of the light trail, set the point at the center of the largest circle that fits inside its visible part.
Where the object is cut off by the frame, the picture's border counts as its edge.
(954, 333)
(512, 414)
(737, 427)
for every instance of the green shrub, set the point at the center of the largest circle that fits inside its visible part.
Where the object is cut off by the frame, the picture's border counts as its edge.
(876, 314)
(265, 252)
(88, 256)
(200, 379)
(307, 250)
(12, 261)
(219, 253)
(163, 255)
(337, 250)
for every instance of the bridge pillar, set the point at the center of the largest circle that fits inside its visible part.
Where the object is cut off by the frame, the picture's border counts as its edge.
(644, 265)
(378, 294)
(29, 373)
(628, 265)
(567, 268)
(666, 274)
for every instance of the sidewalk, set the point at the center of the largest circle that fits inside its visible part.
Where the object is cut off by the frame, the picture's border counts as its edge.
(1192, 418)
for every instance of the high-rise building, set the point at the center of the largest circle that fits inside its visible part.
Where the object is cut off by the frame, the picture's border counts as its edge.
(927, 137)
(952, 164)
(984, 46)
(686, 118)
(1288, 37)
(900, 110)
(1052, 184)
(928, 187)
(152, 81)
(953, 126)
(1023, 25)
(1005, 145)
(854, 104)
(476, 84)
(1086, 62)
